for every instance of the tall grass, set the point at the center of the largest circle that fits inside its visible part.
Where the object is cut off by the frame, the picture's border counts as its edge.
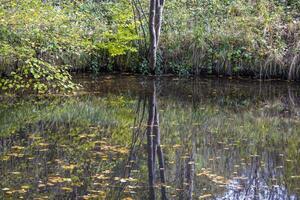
(256, 38)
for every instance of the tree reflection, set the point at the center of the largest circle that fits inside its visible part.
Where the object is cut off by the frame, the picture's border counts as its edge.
(155, 155)
(154, 146)
(111, 147)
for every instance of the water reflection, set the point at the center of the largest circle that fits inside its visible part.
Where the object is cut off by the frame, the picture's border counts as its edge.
(154, 146)
(135, 138)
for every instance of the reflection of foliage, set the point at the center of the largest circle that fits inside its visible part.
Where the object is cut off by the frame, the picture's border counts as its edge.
(233, 140)
(18, 115)
(76, 146)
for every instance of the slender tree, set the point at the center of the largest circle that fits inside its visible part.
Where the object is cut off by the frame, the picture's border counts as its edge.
(155, 21)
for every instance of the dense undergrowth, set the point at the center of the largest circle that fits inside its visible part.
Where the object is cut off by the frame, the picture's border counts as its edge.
(41, 41)
(256, 38)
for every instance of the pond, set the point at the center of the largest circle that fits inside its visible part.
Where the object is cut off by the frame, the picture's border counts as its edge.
(132, 137)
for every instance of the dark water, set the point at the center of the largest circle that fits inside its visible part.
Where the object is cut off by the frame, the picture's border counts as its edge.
(217, 139)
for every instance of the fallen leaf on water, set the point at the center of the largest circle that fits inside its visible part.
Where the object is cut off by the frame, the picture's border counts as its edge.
(295, 177)
(176, 146)
(132, 179)
(43, 144)
(66, 189)
(25, 187)
(122, 180)
(205, 196)
(41, 185)
(68, 167)
(44, 150)
(201, 174)
(17, 147)
(106, 171)
(22, 191)
(15, 173)
(5, 158)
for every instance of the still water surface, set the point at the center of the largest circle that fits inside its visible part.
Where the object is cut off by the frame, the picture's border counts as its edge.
(220, 139)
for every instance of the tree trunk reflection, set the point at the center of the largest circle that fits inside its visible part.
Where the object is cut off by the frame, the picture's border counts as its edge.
(154, 146)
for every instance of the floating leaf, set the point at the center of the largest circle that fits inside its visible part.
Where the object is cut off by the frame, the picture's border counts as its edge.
(205, 196)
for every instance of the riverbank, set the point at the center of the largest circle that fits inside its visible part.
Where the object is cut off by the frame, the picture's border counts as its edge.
(257, 39)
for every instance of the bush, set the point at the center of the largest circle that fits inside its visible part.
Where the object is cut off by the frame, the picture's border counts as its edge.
(48, 39)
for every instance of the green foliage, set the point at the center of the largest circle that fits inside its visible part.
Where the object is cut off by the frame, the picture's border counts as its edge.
(112, 32)
(180, 68)
(122, 31)
(143, 67)
(39, 76)
(246, 31)
(230, 37)
(48, 37)
(34, 38)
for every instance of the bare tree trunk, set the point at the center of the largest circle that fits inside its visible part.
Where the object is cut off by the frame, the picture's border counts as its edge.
(152, 50)
(155, 21)
(158, 19)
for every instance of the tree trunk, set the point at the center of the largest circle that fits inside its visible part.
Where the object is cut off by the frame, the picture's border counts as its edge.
(155, 21)
(158, 19)
(152, 49)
